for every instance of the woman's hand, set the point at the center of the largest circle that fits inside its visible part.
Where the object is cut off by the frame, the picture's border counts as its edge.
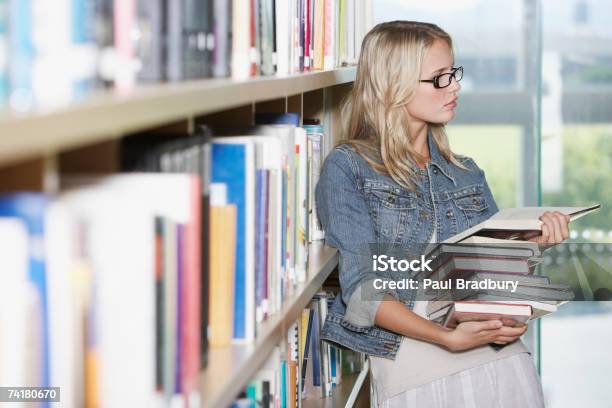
(554, 229)
(468, 335)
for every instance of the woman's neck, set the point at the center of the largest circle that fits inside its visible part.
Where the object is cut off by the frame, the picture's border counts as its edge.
(420, 142)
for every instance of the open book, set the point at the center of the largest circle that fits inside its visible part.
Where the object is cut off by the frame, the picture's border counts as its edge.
(512, 222)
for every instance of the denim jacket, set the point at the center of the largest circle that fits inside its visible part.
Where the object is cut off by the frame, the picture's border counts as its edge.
(358, 206)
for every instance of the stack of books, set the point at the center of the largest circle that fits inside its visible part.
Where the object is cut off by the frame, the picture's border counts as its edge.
(487, 273)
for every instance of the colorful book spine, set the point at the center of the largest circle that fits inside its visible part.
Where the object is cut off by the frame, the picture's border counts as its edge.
(328, 47)
(234, 165)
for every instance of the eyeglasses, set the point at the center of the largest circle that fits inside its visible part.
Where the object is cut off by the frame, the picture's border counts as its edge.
(444, 80)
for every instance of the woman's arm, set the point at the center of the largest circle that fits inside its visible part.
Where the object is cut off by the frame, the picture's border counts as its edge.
(393, 315)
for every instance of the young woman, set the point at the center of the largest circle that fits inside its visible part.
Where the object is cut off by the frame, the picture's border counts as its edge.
(395, 180)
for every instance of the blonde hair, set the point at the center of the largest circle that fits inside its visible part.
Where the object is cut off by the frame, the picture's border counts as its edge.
(374, 115)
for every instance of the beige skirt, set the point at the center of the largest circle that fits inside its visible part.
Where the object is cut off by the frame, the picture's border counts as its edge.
(504, 383)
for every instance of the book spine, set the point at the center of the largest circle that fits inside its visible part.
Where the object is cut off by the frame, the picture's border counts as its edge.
(302, 33)
(21, 54)
(4, 89)
(254, 39)
(175, 69)
(124, 25)
(181, 307)
(328, 47)
(306, 44)
(170, 306)
(260, 270)
(221, 30)
(198, 41)
(241, 38)
(159, 303)
(83, 48)
(268, 260)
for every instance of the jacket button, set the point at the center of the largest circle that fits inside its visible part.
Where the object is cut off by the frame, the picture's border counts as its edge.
(435, 171)
(391, 199)
(424, 215)
(449, 214)
(475, 201)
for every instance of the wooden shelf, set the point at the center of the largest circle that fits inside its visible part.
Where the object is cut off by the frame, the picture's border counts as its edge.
(107, 115)
(231, 368)
(344, 395)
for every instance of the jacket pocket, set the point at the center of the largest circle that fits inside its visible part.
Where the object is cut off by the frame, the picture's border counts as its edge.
(471, 202)
(393, 210)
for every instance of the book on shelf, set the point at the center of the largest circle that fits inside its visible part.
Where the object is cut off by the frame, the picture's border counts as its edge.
(25, 212)
(302, 367)
(120, 44)
(19, 303)
(124, 286)
(222, 263)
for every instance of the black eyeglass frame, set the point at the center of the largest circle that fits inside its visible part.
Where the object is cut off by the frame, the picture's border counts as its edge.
(453, 74)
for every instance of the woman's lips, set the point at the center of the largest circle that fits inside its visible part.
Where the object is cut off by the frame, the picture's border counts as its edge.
(452, 104)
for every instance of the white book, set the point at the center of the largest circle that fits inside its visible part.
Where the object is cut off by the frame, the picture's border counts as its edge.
(350, 32)
(286, 135)
(241, 38)
(272, 161)
(65, 304)
(120, 245)
(15, 293)
(315, 230)
(301, 204)
(517, 220)
(283, 53)
(120, 212)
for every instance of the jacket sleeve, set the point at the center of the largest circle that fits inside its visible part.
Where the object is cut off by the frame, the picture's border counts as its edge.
(346, 219)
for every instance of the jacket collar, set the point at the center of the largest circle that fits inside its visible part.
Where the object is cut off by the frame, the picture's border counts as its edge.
(437, 159)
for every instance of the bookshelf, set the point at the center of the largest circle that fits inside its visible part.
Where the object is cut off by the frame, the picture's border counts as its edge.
(60, 128)
(231, 368)
(346, 394)
(79, 137)
(108, 115)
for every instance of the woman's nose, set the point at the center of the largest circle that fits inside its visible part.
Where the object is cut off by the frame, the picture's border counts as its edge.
(455, 86)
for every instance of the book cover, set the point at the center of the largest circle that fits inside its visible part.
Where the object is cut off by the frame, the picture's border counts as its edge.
(222, 263)
(512, 222)
(233, 163)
